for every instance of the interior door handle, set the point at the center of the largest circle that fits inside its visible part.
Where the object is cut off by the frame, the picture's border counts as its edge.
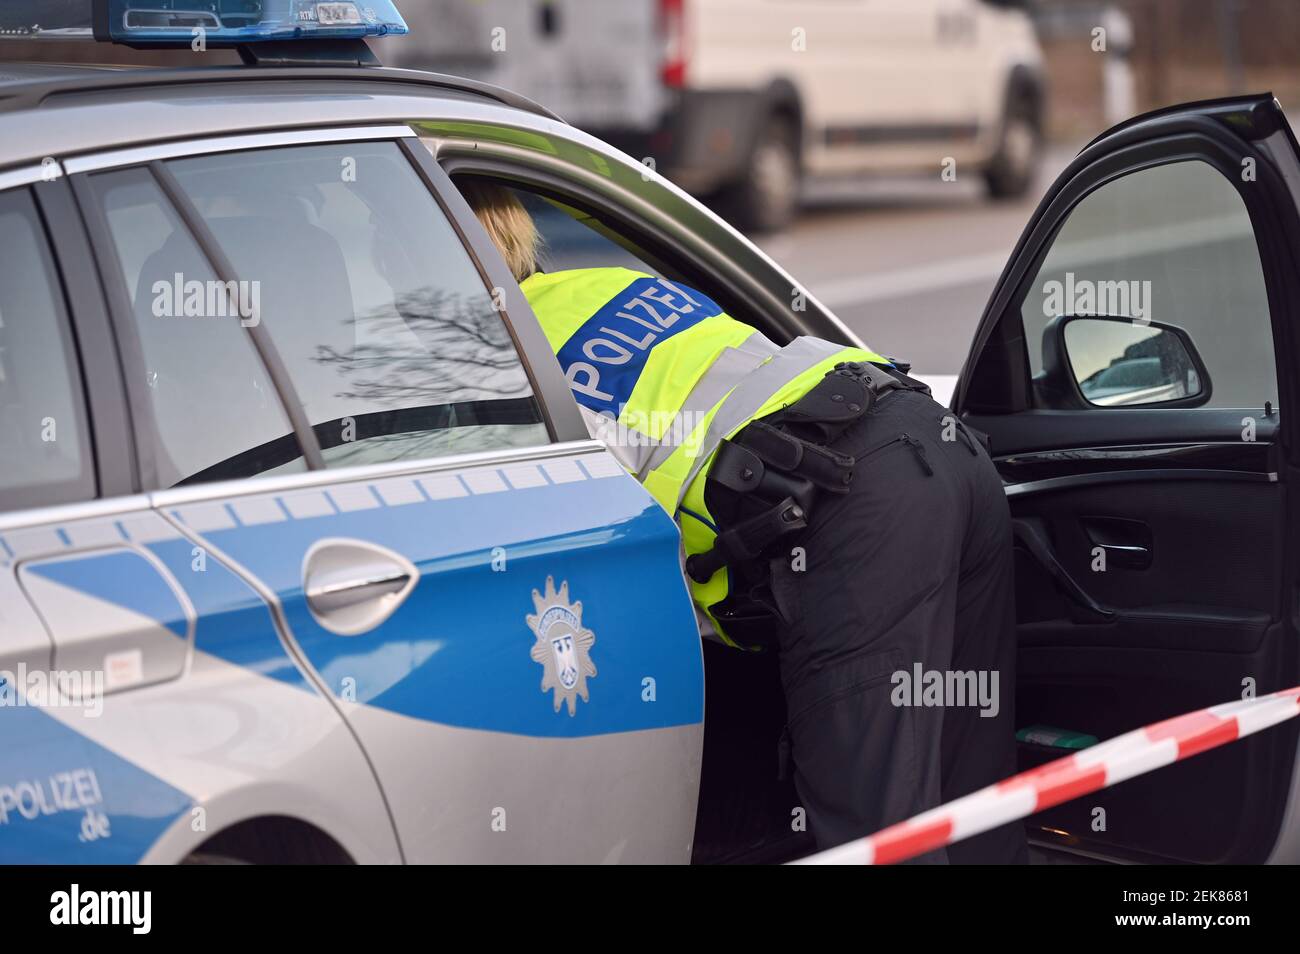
(1142, 554)
(1033, 540)
(351, 586)
(1127, 543)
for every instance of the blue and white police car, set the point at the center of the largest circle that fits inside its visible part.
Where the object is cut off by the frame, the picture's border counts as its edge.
(307, 555)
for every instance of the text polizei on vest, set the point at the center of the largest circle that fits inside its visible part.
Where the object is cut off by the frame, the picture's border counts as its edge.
(643, 326)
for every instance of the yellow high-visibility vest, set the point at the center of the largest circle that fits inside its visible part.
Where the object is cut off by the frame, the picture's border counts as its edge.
(663, 375)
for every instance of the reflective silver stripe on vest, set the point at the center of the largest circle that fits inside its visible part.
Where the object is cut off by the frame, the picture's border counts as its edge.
(754, 391)
(631, 457)
(731, 366)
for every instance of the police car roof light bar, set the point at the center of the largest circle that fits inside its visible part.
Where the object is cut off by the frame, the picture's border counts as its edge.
(199, 24)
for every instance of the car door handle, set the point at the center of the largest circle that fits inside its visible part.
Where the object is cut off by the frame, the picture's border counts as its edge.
(327, 595)
(351, 586)
(1131, 552)
(1087, 609)
(1127, 543)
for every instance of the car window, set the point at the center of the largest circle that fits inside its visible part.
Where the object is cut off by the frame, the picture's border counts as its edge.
(572, 239)
(210, 410)
(1171, 244)
(571, 236)
(389, 333)
(44, 445)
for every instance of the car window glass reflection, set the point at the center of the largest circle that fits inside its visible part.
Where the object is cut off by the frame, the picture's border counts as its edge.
(212, 412)
(392, 341)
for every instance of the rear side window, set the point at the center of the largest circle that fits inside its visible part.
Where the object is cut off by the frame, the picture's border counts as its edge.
(44, 446)
(389, 334)
(208, 408)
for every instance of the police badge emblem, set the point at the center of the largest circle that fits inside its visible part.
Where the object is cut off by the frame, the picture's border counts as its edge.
(563, 646)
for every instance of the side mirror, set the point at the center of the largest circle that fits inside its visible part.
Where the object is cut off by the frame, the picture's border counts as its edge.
(1104, 361)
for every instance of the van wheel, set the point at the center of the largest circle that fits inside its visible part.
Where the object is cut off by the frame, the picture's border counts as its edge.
(1011, 170)
(765, 197)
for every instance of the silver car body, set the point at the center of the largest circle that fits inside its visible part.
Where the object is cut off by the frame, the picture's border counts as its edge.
(199, 744)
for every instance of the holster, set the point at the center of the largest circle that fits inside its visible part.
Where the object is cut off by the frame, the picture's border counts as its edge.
(764, 484)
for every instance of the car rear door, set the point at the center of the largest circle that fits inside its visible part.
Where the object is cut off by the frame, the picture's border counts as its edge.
(1134, 370)
(146, 692)
(497, 609)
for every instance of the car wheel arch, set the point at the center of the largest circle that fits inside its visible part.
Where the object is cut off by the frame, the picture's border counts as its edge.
(294, 822)
(270, 839)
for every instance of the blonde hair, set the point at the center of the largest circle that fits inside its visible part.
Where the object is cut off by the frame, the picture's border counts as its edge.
(507, 222)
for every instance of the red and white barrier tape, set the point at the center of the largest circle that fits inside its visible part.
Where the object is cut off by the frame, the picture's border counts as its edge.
(1133, 753)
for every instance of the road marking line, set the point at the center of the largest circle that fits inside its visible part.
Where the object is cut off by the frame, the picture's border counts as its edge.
(846, 292)
(1171, 237)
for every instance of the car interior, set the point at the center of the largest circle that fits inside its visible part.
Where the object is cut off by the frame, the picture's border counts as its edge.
(1189, 612)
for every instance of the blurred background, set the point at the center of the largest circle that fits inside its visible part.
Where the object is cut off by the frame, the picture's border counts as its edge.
(887, 152)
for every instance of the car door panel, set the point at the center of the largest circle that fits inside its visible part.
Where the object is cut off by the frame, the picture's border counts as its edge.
(447, 695)
(419, 573)
(1200, 438)
(67, 800)
(1204, 810)
(1160, 581)
(136, 768)
(114, 608)
(1215, 545)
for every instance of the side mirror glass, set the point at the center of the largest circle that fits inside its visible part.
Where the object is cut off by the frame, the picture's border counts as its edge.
(1118, 362)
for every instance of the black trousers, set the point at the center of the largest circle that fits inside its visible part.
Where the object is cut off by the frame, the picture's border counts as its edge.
(909, 573)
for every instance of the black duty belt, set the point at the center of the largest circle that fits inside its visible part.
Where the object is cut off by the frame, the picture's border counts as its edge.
(769, 476)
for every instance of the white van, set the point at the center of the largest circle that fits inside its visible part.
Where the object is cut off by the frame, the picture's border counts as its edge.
(737, 100)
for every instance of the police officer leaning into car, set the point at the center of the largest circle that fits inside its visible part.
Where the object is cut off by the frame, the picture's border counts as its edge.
(827, 505)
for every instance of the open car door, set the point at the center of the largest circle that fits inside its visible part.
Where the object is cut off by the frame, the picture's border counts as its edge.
(1132, 370)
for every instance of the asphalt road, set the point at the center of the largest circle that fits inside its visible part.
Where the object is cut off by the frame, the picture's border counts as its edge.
(909, 264)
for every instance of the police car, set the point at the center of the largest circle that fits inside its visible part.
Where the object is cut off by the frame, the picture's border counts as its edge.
(306, 554)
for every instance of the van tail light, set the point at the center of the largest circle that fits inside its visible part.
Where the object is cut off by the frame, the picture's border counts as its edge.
(672, 27)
